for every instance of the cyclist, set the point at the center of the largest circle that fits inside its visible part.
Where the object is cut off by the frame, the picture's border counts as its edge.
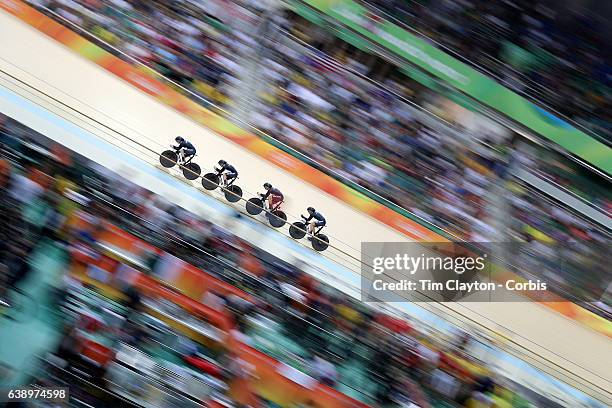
(227, 172)
(188, 149)
(318, 220)
(273, 195)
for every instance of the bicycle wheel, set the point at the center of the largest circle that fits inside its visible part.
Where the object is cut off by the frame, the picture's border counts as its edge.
(321, 243)
(297, 230)
(191, 171)
(233, 193)
(254, 206)
(210, 181)
(168, 158)
(277, 218)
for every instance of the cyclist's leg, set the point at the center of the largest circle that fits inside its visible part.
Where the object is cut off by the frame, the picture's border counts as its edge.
(223, 179)
(231, 177)
(276, 203)
(189, 154)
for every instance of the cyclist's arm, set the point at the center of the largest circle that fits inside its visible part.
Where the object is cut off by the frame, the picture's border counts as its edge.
(228, 168)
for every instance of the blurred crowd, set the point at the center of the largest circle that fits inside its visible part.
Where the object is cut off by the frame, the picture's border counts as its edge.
(372, 356)
(551, 52)
(560, 246)
(368, 135)
(192, 43)
(363, 133)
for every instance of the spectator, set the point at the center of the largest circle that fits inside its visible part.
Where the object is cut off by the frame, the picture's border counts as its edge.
(323, 370)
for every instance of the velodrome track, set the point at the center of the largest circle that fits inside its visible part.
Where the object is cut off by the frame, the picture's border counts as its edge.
(556, 344)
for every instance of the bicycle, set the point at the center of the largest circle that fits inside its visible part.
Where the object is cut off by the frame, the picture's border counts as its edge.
(319, 241)
(232, 192)
(276, 217)
(170, 158)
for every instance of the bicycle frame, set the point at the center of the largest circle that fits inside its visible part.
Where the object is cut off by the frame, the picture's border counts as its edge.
(181, 158)
(276, 207)
(224, 182)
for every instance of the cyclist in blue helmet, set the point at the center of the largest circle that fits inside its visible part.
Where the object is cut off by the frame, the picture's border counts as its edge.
(186, 146)
(226, 171)
(313, 220)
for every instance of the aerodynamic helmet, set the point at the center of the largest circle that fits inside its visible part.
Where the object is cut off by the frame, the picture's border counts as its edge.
(222, 162)
(179, 139)
(310, 209)
(267, 186)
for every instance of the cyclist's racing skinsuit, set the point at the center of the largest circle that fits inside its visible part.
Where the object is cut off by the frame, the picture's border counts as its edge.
(319, 219)
(188, 149)
(231, 174)
(276, 197)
